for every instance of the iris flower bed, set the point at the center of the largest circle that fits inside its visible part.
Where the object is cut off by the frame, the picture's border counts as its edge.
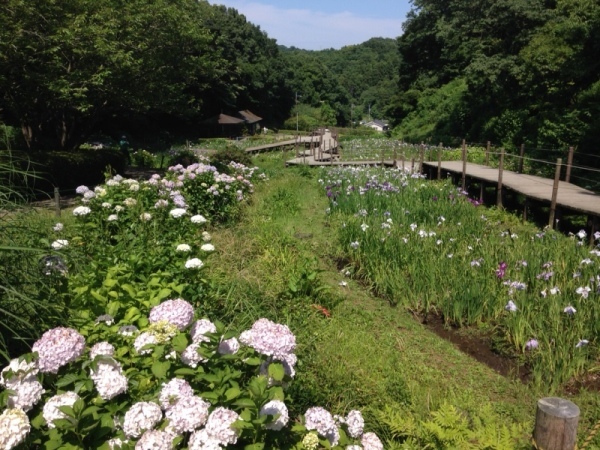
(141, 365)
(428, 247)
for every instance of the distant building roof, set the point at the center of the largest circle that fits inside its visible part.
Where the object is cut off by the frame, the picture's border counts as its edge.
(223, 119)
(249, 117)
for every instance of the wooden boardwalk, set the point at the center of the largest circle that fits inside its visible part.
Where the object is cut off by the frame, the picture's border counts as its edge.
(569, 196)
(304, 140)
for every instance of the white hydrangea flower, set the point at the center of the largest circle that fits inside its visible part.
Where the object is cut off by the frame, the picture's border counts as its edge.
(188, 414)
(200, 440)
(142, 340)
(155, 440)
(116, 443)
(14, 428)
(119, 208)
(102, 348)
(173, 391)
(109, 379)
(177, 312)
(128, 330)
(112, 218)
(206, 237)
(207, 248)
(191, 357)
(106, 205)
(105, 318)
(321, 420)
(57, 347)
(194, 263)
(177, 212)
(353, 447)
(370, 441)
(183, 248)
(145, 217)
(218, 426)
(20, 369)
(142, 416)
(81, 211)
(198, 218)
(311, 441)
(60, 243)
(274, 408)
(129, 202)
(269, 338)
(200, 328)
(58, 227)
(355, 423)
(51, 412)
(26, 394)
(229, 347)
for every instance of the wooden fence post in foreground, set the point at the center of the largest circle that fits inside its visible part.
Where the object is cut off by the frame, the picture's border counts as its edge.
(57, 201)
(556, 423)
(521, 155)
(421, 157)
(554, 193)
(569, 164)
(499, 188)
(487, 154)
(439, 173)
(464, 166)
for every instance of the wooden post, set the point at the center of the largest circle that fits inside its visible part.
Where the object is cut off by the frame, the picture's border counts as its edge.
(296, 145)
(421, 158)
(556, 423)
(569, 164)
(395, 156)
(487, 154)
(412, 165)
(499, 188)
(331, 153)
(525, 206)
(403, 168)
(383, 156)
(439, 172)
(554, 193)
(521, 154)
(57, 201)
(595, 222)
(464, 166)
(481, 190)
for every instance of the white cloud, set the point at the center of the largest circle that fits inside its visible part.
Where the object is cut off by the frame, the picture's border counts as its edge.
(314, 30)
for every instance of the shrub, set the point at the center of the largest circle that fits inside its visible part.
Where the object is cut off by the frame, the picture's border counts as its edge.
(223, 157)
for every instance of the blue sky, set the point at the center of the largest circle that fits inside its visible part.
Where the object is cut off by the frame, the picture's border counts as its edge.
(317, 25)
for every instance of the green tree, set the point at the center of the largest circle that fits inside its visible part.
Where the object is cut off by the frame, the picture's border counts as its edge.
(67, 63)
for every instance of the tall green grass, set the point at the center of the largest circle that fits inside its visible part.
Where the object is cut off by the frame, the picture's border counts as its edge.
(425, 246)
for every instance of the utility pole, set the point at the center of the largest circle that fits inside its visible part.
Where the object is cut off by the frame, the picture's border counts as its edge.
(296, 112)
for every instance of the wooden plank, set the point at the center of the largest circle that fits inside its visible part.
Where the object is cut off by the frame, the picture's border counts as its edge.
(569, 195)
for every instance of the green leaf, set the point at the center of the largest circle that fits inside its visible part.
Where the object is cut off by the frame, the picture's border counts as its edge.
(245, 403)
(276, 393)
(276, 371)
(232, 393)
(253, 361)
(179, 342)
(160, 369)
(68, 410)
(186, 371)
(258, 446)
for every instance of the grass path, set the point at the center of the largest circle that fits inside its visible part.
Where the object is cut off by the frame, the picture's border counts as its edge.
(366, 354)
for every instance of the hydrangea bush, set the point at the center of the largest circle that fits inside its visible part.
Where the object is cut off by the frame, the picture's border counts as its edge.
(171, 384)
(136, 367)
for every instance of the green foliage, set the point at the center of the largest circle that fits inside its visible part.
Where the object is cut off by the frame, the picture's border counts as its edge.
(31, 281)
(395, 225)
(449, 427)
(223, 157)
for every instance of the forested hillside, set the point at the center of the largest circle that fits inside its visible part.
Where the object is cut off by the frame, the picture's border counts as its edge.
(509, 71)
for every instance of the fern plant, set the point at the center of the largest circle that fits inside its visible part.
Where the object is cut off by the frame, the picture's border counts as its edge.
(450, 428)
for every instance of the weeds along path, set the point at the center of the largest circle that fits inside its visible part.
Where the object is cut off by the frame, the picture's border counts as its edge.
(355, 351)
